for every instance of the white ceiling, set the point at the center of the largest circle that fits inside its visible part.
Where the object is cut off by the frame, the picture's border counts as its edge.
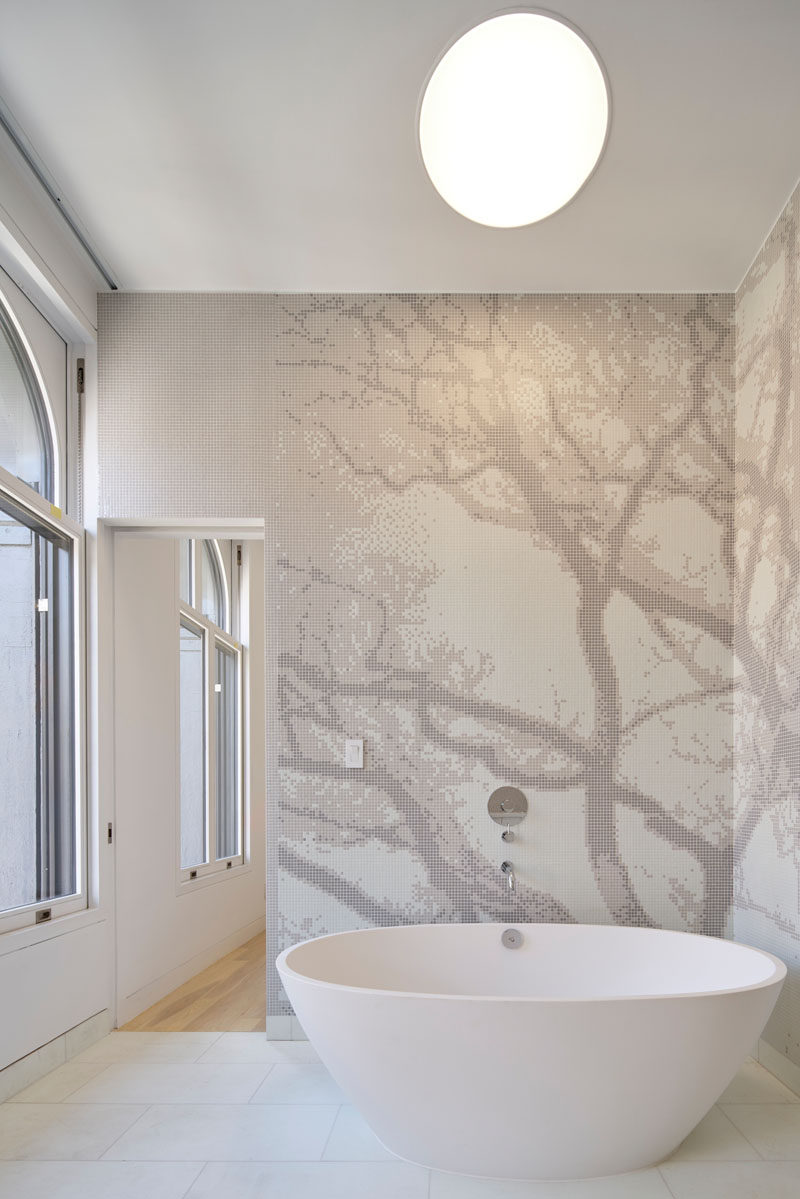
(259, 145)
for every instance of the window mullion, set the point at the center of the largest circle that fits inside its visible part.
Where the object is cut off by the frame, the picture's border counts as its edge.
(195, 576)
(240, 792)
(42, 676)
(193, 725)
(211, 744)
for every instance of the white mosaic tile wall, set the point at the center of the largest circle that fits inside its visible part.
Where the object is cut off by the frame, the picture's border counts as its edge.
(500, 549)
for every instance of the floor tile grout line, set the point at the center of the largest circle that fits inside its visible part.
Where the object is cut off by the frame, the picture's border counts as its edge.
(203, 1166)
(664, 1179)
(108, 1148)
(213, 1161)
(134, 1059)
(243, 1103)
(207, 1047)
(103, 1161)
(78, 1087)
(733, 1124)
(182, 1103)
(261, 1083)
(330, 1132)
(99, 1074)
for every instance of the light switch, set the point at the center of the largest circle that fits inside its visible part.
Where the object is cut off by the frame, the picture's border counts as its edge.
(354, 753)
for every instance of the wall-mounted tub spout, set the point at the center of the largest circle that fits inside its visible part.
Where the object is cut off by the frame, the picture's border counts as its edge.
(508, 870)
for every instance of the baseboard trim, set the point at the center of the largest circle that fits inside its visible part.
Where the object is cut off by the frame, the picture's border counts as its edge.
(779, 1064)
(29, 1069)
(139, 1001)
(285, 1028)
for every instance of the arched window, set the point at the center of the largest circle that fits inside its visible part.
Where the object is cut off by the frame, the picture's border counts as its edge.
(42, 848)
(213, 586)
(204, 580)
(210, 690)
(27, 444)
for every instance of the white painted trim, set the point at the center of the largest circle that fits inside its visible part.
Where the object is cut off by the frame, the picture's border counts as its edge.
(40, 253)
(778, 1064)
(227, 615)
(279, 1028)
(129, 1006)
(285, 1028)
(27, 935)
(213, 868)
(224, 528)
(209, 874)
(29, 1069)
(100, 733)
(58, 452)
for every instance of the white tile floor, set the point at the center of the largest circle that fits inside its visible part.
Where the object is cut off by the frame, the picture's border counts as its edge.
(234, 1116)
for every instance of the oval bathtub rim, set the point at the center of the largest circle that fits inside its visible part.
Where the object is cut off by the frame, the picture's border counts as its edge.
(779, 973)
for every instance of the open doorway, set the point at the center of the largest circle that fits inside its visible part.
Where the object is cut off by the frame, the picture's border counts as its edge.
(188, 832)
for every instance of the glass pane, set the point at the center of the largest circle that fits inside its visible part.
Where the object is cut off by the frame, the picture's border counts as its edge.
(185, 584)
(37, 782)
(213, 598)
(226, 695)
(192, 748)
(24, 449)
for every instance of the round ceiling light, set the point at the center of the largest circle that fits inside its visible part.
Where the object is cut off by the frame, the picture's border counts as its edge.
(514, 119)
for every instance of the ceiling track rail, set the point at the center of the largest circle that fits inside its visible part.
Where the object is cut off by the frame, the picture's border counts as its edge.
(48, 184)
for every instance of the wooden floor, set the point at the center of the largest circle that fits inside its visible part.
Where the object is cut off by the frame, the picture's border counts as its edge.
(229, 996)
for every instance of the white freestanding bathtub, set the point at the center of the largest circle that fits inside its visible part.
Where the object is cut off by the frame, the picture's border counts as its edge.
(587, 1050)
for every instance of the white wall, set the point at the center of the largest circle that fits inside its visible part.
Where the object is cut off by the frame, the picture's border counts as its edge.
(167, 931)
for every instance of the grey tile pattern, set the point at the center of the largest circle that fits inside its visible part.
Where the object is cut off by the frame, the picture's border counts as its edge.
(767, 603)
(500, 549)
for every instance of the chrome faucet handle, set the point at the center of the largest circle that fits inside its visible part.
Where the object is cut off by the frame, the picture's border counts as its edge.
(508, 834)
(507, 805)
(508, 869)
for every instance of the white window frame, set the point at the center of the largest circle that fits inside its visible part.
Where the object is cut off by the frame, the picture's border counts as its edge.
(212, 635)
(52, 518)
(50, 429)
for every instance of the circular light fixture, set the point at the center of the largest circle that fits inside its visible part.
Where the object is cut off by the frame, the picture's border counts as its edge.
(514, 119)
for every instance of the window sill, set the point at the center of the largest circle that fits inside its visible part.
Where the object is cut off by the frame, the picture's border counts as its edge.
(211, 879)
(33, 934)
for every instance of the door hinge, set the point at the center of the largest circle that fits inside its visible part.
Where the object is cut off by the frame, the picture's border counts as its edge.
(81, 375)
(111, 834)
(238, 555)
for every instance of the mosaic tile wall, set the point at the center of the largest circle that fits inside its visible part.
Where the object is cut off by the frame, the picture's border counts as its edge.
(767, 602)
(500, 549)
